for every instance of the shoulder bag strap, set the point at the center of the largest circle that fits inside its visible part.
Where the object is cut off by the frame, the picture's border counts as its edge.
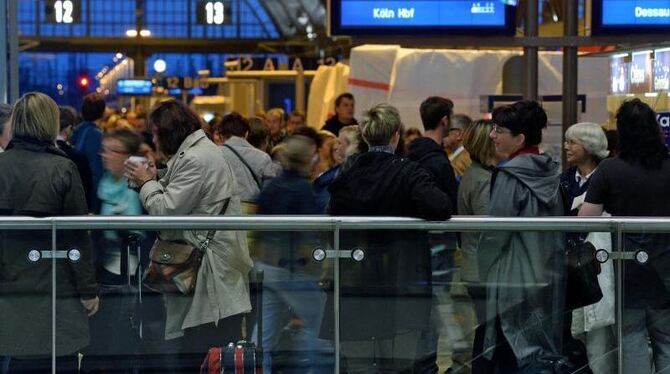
(258, 182)
(211, 233)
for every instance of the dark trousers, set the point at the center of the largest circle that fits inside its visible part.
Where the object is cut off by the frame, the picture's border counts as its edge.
(480, 365)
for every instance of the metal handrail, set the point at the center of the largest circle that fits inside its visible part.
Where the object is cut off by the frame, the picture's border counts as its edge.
(328, 223)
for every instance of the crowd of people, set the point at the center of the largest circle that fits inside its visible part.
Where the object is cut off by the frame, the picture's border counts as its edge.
(167, 162)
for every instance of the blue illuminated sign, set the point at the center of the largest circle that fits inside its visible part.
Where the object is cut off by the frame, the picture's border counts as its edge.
(134, 87)
(631, 16)
(393, 17)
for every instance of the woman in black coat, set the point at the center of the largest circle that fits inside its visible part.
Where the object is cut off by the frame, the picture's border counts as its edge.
(385, 298)
(38, 180)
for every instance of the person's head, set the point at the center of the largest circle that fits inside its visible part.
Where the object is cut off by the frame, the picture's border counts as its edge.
(477, 142)
(382, 126)
(517, 126)
(328, 151)
(297, 154)
(5, 128)
(274, 118)
(295, 121)
(171, 122)
(68, 120)
(344, 107)
(312, 134)
(258, 133)
(350, 141)
(585, 142)
(640, 139)
(117, 146)
(410, 135)
(436, 113)
(36, 116)
(233, 124)
(93, 107)
(457, 126)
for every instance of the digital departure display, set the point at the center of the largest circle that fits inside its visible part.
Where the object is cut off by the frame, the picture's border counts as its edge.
(139, 87)
(411, 17)
(631, 16)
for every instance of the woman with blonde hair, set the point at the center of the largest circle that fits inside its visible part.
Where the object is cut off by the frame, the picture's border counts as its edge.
(39, 180)
(473, 199)
(328, 153)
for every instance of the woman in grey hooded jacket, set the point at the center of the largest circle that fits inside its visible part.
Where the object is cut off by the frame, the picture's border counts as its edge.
(524, 271)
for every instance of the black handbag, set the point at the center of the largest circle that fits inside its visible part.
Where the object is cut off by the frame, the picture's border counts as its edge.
(582, 286)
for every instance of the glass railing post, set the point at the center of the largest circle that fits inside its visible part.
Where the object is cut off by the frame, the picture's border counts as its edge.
(53, 296)
(618, 265)
(336, 296)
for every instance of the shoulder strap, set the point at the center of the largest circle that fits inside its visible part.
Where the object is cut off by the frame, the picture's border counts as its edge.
(211, 233)
(258, 182)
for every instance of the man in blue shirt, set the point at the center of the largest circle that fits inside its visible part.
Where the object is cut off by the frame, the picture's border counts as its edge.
(87, 139)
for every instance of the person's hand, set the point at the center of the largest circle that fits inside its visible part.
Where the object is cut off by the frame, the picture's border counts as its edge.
(139, 173)
(91, 305)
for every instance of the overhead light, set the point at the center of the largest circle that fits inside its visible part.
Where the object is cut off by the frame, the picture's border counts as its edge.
(620, 55)
(554, 17)
(119, 55)
(131, 33)
(303, 18)
(145, 33)
(648, 52)
(160, 65)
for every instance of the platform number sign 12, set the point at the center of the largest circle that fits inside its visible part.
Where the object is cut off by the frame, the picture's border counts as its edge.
(63, 11)
(214, 13)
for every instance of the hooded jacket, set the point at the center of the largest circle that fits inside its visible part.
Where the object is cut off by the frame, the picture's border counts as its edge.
(432, 157)
(524, 271)
(390, 290)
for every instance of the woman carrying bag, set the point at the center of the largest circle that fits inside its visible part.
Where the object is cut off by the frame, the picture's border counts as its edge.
(198, 181)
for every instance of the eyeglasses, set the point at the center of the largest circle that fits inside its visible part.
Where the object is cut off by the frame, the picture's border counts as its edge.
(501, 130)
(114, 151)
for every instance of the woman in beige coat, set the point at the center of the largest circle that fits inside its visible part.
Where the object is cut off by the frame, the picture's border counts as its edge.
(198, 181)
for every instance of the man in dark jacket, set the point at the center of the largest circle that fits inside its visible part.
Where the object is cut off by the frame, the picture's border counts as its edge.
(344, 114)
(427, 151)
(87, 138)
(68, 119)
(385, 298)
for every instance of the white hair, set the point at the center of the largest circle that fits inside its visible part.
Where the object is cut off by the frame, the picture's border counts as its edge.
(592, 137)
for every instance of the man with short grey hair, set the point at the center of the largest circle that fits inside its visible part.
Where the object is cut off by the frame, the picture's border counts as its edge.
(5, 131)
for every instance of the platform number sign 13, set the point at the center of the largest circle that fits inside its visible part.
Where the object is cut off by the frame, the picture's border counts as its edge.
(63, 11)
(214, 12)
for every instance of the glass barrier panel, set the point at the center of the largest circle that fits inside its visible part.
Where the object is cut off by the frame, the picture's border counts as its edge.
(473, 302)
(27, 305)
(646, 303)
(141, 328)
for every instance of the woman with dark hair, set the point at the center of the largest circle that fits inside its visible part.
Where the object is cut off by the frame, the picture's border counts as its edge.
(635, 183)
(198, 181)
(524, 271)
